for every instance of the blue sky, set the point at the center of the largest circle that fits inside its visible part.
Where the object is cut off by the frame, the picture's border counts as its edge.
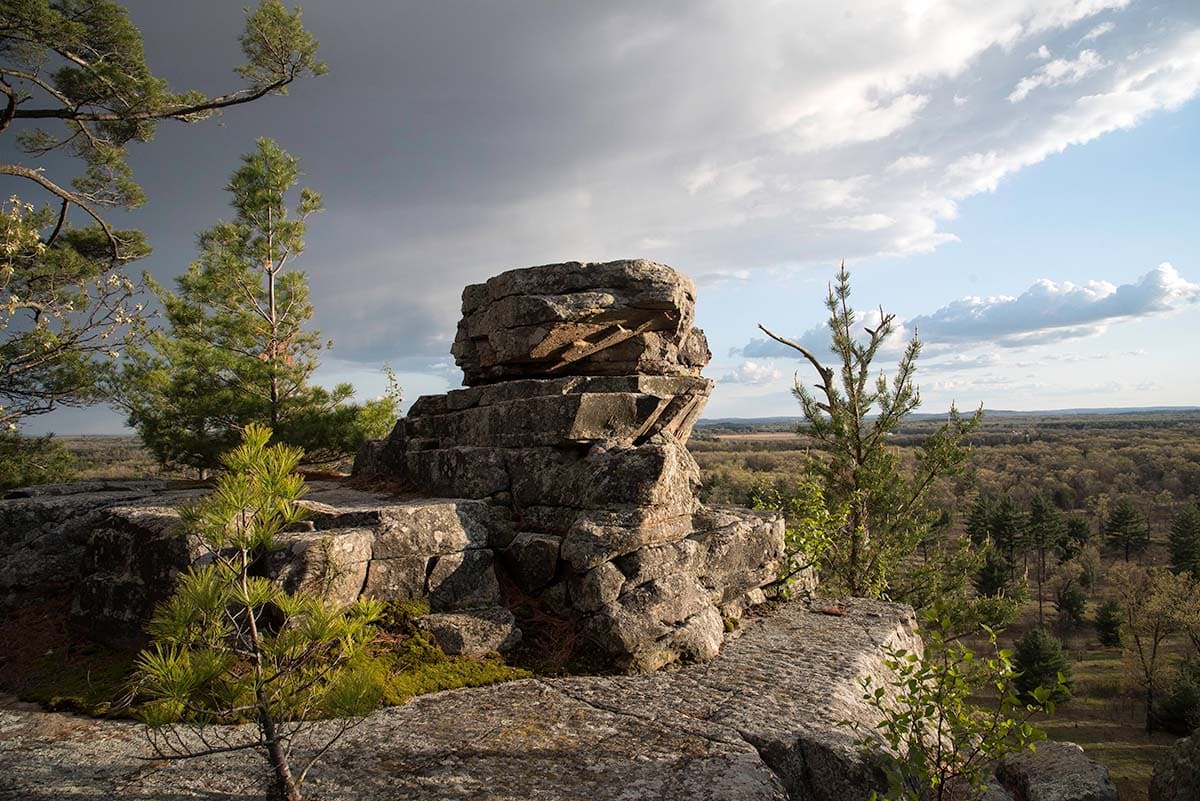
(1017, 179)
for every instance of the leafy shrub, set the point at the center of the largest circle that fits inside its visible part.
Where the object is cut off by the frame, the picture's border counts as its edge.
(1179, 711)
(935, 738)
(1042, 664)
(1108, 623)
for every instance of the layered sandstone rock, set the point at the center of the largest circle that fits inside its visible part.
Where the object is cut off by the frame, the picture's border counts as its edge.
(583, 387)
(616, 318)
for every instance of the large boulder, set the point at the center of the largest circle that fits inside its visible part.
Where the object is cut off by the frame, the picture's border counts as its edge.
(1055, 771)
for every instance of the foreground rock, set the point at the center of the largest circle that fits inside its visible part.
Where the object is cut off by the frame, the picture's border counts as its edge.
(759, 722)
(1056, 772)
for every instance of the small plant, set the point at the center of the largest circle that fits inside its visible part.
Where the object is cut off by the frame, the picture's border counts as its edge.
(934, 739)
(230, 646)
(1109, 616)
(809, 526)
(1043, 665)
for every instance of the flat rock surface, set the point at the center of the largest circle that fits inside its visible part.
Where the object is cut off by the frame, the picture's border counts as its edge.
(760, 722)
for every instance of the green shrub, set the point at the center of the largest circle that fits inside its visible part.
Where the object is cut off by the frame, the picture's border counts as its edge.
(1108, 623)
(1179, 711)
(1042, 663)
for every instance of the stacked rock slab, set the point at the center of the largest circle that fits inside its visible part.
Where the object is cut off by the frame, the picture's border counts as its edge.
(583, 384)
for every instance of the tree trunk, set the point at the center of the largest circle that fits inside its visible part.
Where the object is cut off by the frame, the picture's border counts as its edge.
(1041, 616)
(276, 755)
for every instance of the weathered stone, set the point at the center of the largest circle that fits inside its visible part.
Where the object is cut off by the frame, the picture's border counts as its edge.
(656, 623)
(431, 527)
(597, 587)
(1177, 773)
(463, 580)
(740, 551)
(1056, 772)
(597, 537)
(532, 559)
(474, 632)
(129, 565)
(44, 529)
(327, 564)
(759, 723)
(402, 578)
(615, 318)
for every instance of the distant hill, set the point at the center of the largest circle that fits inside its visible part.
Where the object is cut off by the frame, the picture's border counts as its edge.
(992, 413)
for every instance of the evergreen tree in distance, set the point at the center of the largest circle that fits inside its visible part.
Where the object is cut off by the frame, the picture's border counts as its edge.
(1184, 540)
(1044, 531)
(1126, 528)
(237, 350)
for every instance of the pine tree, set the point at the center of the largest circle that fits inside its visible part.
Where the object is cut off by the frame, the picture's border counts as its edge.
(1044, 531)
(75, 85)
(1042, 663)
(229, 645)
(992, 580)
(1076, 537)
(1185, 541)
(1126, 528)
(979, 520)
(887, 517)
(237, 350)
(1007, 526)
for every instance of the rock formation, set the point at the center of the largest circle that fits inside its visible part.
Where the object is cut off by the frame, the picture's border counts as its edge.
(583, 384)
(558, 480)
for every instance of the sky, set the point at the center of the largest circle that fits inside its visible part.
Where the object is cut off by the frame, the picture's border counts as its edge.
(1018, 182)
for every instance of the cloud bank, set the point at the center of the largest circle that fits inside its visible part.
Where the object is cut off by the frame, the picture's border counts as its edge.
(1045, 313)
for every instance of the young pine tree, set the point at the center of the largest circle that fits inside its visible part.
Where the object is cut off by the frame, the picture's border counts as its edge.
(230, 646)
(1126, 528)
(887, 517)
(237, 350)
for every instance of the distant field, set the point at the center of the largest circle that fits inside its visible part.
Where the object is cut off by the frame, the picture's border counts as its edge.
(111, 456)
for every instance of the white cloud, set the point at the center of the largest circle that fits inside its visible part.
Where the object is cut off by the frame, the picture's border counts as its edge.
(1052, 311)
(1041, 54)
(1059, 72)
(861, 222)
(1097, 32)
(910, 163)
(1047, 312)
(754, 373)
